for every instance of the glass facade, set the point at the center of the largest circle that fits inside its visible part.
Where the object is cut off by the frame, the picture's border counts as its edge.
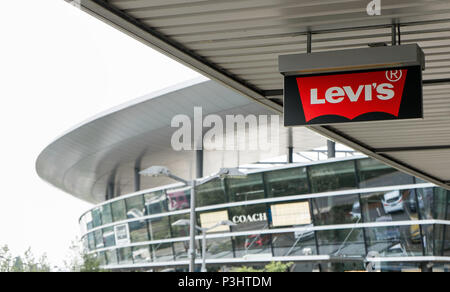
(322, 209)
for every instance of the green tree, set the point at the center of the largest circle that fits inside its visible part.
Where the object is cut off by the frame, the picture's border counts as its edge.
(25, 263)
(81, 261)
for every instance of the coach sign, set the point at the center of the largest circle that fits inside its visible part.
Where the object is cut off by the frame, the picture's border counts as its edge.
(335, 91)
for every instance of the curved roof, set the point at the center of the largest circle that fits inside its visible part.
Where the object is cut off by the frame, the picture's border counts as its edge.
(108, 147)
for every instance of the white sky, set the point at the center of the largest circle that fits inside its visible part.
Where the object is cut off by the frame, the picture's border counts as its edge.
(58, 67)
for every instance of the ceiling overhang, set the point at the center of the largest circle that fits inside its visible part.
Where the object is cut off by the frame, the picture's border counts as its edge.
(238, 42)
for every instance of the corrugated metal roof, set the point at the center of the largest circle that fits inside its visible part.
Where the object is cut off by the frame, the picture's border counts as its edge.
(238, 43)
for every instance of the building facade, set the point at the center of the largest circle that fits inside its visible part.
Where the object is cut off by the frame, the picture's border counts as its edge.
(334, 215)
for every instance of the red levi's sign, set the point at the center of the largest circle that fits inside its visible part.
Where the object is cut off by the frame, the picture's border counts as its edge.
(350, 97)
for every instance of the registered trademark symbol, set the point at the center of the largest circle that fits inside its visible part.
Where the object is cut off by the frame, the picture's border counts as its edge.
(394, 75)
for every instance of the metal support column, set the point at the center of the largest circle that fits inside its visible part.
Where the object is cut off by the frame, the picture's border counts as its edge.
(199, 163)
(290, 146)
(331, 146)
(110, 191)
(137, 179)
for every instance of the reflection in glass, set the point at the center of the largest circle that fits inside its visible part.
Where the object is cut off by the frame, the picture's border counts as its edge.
(432, 203)
(124, 255)
(98, 239)
(138, 231)
(141, 254)
(211, 193)
(447, 229)
(397, 205)
(101, 256)
(332, 176)
(179, 231)
(109, 238)
(107, 214)
(159, 228)
(155, 203)
(295, 243)
(433, 239)
(162, 252)
(179, 199)
(181, 250)
(118, 210)
(253, 244)
(91, 241)
(250, 188)
(341, 242)
(394, 241)
(219, 248)
(286, 182)
(96, 217)
(336, 210)
(135, 207)
(373, 173)
(111, 257)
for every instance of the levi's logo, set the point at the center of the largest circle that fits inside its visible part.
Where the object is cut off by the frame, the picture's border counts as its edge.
(352, 95)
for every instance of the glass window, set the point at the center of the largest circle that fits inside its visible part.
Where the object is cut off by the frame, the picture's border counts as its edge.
(179, 199)
(395, 241)
(447, 241)
(138, 231)
(286, 182)
(181, 250)
(219, 248)
(98, 239)
(159, 228)
(179, 231)
(211, 193)
(96, 217)
(155, 203)
(85, 243)
(91, 241)
(253, 244)
(125, 257)
(373, 173)
(336, 210)
(447, 229)
(332, 176)
(106, 214)
(102, 258)
(246, 189)
(397, 205)
(141, 254)
(118, 210)
(300, 243)
(111, 257)
(135, 207)
(109, 238)
(162, 252)
(432, 203)
(341, 242)
(88, 220)
(250, 217)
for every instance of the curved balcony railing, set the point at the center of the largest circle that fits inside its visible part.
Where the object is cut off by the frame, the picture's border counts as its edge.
(343, 208)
